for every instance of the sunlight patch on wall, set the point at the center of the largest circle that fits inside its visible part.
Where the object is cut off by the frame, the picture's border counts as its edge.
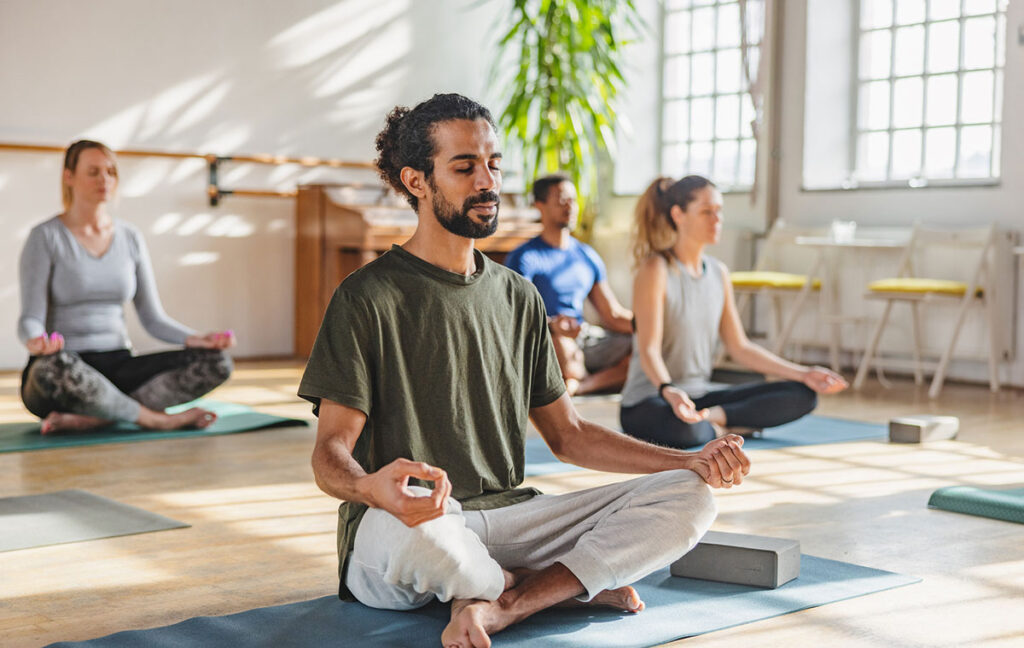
(330, 30)
(390, 45)
(187, 168)
(227, 138)
(194, 224)
(166, 223)
(173, 104)
(146, 175)
(118, 130)
(198, 258)
(230, 226)
(278, 225)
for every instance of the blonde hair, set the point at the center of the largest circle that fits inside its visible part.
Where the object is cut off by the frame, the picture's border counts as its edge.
(655, 231)
(71, 157)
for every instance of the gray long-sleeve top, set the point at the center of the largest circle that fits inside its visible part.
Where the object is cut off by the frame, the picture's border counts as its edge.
(65, 289)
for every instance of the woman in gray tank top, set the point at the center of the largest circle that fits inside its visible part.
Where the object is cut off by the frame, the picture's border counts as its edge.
(77, 269)
(683, 303)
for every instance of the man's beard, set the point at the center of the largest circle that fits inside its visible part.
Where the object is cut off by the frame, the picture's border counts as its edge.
(461, 223)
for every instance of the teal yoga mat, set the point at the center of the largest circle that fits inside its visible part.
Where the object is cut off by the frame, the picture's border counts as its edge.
(1005, 505)
(231, 418)
(676, 608)
(71, 516)
(810, 430)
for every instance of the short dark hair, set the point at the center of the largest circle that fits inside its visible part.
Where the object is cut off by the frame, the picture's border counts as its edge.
(542, 186)
(407, 139)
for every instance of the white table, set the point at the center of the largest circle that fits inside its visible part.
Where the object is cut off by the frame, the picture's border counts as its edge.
(826, 264)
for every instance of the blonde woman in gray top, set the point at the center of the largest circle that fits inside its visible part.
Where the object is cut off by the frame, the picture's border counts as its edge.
(683, 303)
(76, 272)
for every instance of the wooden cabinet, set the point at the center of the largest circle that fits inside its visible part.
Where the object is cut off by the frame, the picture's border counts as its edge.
(338, 230)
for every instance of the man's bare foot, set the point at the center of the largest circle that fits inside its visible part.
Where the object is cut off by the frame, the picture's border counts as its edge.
(62, 422)
(472, 623)
(195, 418)
(623, 598)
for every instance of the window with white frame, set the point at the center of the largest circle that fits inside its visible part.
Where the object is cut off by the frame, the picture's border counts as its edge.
(706, 109)
(929, 90)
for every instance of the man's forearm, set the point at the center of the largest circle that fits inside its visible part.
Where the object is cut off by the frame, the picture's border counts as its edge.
(337, 473)
(599, 448)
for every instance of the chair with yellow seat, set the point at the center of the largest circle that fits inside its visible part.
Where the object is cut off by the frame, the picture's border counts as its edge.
(916, 291)
(767, 279)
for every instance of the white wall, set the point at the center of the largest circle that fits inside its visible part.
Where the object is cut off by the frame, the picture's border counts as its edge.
(304, 77)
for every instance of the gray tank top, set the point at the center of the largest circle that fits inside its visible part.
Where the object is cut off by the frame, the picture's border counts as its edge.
(693, 311)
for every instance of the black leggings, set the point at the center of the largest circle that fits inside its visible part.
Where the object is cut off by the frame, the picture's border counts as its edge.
(113, 384)
(754, 405)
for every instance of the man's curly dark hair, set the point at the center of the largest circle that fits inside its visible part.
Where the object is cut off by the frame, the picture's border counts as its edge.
(407, 139)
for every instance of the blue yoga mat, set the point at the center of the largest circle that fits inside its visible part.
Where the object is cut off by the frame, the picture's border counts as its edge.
(676, 608)
(810, 430)
(231, 418)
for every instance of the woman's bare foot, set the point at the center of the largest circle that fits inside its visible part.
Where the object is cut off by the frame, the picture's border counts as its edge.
(196, 418)
(62, 422)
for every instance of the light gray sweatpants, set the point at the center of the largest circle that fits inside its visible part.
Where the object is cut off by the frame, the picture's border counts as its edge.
(608, 537)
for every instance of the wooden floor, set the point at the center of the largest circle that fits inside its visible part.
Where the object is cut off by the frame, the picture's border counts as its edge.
(263, 534)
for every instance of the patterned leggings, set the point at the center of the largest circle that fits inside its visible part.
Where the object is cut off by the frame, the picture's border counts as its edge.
(112, 385)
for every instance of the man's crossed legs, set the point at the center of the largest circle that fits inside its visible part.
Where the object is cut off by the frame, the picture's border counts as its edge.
(500, 566)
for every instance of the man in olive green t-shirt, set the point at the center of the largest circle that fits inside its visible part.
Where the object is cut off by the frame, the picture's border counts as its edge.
(427, 366)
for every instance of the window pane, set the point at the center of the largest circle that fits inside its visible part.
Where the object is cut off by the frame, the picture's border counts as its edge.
(906, 154)
(727, 117)
(677, 76)
(753, 60)
(726, 154)
(729, 71)
(755, 21)
(700, 159)
(703, 29)
(976, 97)
(909, 50)
(746, 116)
(941, 100)
(875, 54)
(975, 152)
(972, 7)
(872, 156)
(673, 160)
(939, 152)
(677, 32)
(942, 9)
(1001, 40)
(702, 119)
(997, 144)
(874, 106)
(702, 78)
(943, 47)
(999, 96)
(979, 42)
(677, 121)
(875, 13)
(677, 4)
(729, 25)
(909, 11)
(748, 154)
(908, 97)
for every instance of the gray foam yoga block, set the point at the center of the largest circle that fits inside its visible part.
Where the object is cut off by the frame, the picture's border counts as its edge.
(923, 427)
(742, 559)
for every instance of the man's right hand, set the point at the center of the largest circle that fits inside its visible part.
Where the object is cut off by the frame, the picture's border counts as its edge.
(565, 325)
(45, 344)
(388, 489)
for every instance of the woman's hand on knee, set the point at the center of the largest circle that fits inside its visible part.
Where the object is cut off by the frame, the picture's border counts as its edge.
(682, 406)
(45, 344)
(722, 463)
(217, 340)
(388, 489)
(824, 381)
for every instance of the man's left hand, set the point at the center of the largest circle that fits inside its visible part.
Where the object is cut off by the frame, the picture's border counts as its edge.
(722, 463)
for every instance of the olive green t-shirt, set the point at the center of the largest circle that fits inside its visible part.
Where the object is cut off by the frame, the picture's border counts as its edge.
(446, 368)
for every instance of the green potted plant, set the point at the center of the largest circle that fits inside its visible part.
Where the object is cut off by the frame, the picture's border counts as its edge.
(566, 73)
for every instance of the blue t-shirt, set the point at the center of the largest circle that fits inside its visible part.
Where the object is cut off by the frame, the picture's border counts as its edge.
(564, 278)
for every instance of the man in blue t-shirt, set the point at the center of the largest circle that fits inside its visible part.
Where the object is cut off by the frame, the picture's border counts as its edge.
(567, 272)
